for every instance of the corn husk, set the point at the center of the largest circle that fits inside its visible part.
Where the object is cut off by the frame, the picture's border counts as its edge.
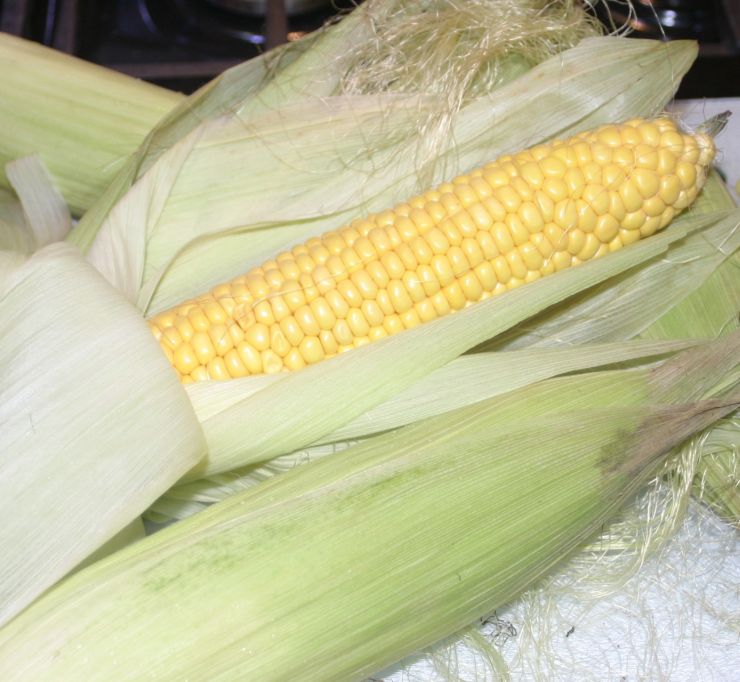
(45, 214)
(712, 310)
(338, 568)
(14, 233)
(82, 119)
(181, 215)
(95, 428)
(189, 220)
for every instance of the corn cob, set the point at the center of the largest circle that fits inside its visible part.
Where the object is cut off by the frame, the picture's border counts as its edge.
(508, 223)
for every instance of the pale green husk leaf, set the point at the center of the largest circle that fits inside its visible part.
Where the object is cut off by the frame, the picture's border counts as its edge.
(46, 214)
(82, 119)
(14, 232)
(711, 310)
(310, 573)
(339, 157)
(95, 426)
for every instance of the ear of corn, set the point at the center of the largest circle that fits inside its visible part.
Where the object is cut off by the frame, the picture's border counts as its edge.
(381, 556)
(92, 429)
(621, 307)
(501, 226)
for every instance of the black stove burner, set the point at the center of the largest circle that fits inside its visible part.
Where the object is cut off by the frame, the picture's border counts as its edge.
(667, 19)
(181, 44)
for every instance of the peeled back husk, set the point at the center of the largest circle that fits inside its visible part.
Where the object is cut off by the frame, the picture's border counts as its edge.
(94, 425)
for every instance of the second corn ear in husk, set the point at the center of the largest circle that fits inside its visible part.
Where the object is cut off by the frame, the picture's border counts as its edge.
(345, 565)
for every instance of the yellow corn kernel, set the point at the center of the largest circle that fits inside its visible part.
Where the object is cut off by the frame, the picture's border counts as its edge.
(184, 359)
(328, 342)
(351, 293)
(576, 241)
(250, 357)
(553, 167)
(531, 256)
(392, 324)
(307, 321)
(184, 327)
(495, 208)
(486, 276)
(566, 214)
(634, 220)
(646, 181)
(654, 207)
(586, 216)
(203, 347)
(198, 319)
(471, 287)
(413, 286)
(631, 196)
(686, 173)
(406, 227)
(258, 335)
(508, 197)
(545, 207)
(234, 366)
(428, 280)
(629, 236)
(476, 216)
(502, 269)
(590, 247)
(561, 260)
(487, 244)
(291, 330)
(607, 228)
(518, 268)
(451, 232)
(422, 252)
(442, 270)
(399, 296)
(542, 244)
(272, 363)
(293, 294)
(530, 218)
(373, 313)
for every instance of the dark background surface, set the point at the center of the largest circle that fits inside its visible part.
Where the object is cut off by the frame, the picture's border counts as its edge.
(182, 44)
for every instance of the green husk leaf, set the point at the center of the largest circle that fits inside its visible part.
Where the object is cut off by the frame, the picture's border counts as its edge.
(712, 310)
(14, 233)
(464, 381)
(46, 214)
(160, 243)
(302, 407)
(95, 426)
(538, 476)
(134, 532)
(255, 85)
(82, 119)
